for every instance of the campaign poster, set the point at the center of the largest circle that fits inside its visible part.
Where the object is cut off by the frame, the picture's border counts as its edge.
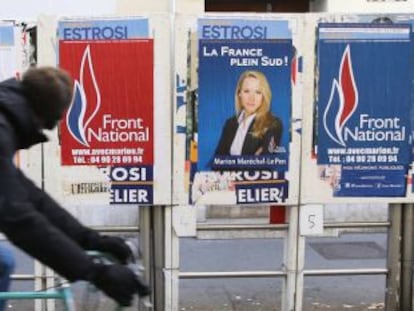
(363, 129)
(10, 62)
(110, 122)
(244, 111)
(9, 67)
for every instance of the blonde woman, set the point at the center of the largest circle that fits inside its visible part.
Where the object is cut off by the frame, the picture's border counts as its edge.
(253, 130)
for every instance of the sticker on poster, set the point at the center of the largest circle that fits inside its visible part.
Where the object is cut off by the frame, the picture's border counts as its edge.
(109, 29)
(130, 184)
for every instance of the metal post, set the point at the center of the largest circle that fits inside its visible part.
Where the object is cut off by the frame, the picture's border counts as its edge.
(145, 244)
(158, 256)
(50, 283)
(39, 285)
(300, 277)
(290, 260)
(407, 257)
(392, 302)
(172, 261)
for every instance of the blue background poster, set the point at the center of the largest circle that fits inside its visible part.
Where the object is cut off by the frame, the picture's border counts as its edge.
(364, 100)
(7, 35)
(221, 62)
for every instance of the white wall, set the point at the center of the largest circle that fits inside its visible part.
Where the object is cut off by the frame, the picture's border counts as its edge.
(128, 7)
(362, 6)
(31, 9)
(24, 9)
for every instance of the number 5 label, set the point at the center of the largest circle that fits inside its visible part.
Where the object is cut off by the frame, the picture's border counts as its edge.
(311, 219)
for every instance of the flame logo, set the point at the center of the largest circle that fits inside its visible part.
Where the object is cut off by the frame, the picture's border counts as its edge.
(85, 105)
(343, 100)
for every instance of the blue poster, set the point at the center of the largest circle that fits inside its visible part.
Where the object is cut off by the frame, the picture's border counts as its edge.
(244, 103)
(219, 76)
(363, 136)
(6, 35)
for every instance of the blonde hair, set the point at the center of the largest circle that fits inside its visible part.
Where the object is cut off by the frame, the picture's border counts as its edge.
(263, 119)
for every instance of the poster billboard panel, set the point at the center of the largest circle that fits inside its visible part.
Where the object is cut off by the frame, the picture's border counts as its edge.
(110, 123)
(363, 127)
(10, 65)
(238, 125)
(359, 149)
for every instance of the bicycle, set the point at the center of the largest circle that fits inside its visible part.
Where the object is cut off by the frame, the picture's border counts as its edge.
(63, 290)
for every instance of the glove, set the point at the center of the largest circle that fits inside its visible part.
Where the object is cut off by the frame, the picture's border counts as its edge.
(116, 247)
(118, 282)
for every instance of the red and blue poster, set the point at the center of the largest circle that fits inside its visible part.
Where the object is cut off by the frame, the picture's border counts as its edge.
(110, 121)
(363, 128)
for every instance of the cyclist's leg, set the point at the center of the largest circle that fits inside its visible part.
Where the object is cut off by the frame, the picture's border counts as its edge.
(6, 269)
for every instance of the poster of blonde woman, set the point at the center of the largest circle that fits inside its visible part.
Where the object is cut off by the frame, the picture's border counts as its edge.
(244, 111)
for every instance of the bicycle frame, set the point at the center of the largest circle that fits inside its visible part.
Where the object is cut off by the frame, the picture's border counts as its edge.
(63, 292)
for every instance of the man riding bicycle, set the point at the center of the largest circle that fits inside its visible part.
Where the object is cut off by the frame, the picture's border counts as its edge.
(29, 217)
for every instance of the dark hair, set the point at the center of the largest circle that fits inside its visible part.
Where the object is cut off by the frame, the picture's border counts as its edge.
(382, 20)
(49, 92)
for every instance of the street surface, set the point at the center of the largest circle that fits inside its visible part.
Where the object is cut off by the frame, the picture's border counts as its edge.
(339, 293)
(355, 293)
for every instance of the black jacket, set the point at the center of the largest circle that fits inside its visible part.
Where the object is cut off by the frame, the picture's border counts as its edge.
(251, 144)
(30, 218)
